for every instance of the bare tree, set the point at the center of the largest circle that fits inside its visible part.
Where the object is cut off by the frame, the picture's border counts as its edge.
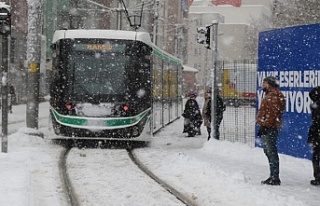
(295, 12)
(254, 28)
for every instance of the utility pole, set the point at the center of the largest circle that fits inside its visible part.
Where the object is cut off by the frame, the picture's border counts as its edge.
(155, 21)
(5, 30)
(176, 42)
(35, 13)
(214, 46)
(205, 78)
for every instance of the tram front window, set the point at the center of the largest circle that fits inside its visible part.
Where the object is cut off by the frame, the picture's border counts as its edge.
(104, 75)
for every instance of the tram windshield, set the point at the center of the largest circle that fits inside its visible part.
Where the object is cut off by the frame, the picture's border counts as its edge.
(107, 68)
(104, 74)
(97, 66)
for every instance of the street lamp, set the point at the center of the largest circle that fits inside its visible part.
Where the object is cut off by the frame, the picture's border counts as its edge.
(209, 37)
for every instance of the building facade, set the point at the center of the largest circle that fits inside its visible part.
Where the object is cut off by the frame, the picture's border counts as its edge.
(165, 20)
(18, 44)
(162, 19)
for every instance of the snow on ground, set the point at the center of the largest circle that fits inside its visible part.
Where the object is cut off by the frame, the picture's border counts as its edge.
(212, 172)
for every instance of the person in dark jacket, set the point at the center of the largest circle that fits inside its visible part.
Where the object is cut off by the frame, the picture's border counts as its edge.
(220, 108)
(269, 119)
(11, 97)
(192, 115)
(314, 134)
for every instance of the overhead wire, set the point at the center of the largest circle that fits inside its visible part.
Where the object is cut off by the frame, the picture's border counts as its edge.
(100, 5)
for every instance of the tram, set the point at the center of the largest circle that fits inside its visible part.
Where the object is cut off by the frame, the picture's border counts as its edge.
(112, 85)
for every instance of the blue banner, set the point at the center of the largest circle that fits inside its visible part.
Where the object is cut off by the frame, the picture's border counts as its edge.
(293, 56)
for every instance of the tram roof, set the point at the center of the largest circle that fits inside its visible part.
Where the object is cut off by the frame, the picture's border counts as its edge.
(101, 34)
(112, 34)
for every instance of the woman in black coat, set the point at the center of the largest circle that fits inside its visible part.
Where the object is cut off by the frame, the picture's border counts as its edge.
(314, 134)
(192, 115)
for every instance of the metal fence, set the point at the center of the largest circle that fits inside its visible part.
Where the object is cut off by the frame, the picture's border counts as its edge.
(238, 87)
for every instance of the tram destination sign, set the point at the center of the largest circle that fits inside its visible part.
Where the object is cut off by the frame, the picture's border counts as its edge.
(100, 47)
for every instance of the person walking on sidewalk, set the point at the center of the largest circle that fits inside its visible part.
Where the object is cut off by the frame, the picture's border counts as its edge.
(220, 108)
(206, 122)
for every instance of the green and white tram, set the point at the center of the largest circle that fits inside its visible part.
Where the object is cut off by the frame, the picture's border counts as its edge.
(110, 84)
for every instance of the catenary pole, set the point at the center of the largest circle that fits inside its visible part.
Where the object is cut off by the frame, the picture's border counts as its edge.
(155, 21)
(35, 13)
(119, 16)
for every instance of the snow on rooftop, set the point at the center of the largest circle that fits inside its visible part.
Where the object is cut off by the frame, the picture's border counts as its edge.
(189, 69)
(4, 5)
(102, 34)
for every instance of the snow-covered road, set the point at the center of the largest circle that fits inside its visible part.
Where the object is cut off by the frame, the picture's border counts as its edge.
(213, 173)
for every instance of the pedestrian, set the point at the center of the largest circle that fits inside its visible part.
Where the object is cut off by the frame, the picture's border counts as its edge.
(314, 136)
(13, 94)
(11, 97)
(192, 115)
(206, 122)
(269, 119)
(220, 108)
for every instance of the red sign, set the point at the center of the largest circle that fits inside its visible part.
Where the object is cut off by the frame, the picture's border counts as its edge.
(236, 3)
(190, 2)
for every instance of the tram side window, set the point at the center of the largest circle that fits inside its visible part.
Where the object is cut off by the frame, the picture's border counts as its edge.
(139, 72)
(157, 77)
(173, 82)
(56, 77)
(166, 80)
(135, 73)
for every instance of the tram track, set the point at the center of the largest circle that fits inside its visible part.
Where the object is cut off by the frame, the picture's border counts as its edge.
(71, 189)
(70, 193)
(180, 196)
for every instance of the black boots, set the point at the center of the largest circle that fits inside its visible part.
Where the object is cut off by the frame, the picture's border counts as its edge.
(315, 182)
(271, 181)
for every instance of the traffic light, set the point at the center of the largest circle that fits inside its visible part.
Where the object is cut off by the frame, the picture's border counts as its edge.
(5, 21)
(205, 36)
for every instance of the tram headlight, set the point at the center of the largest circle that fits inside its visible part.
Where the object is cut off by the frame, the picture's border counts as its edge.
(135, 131)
